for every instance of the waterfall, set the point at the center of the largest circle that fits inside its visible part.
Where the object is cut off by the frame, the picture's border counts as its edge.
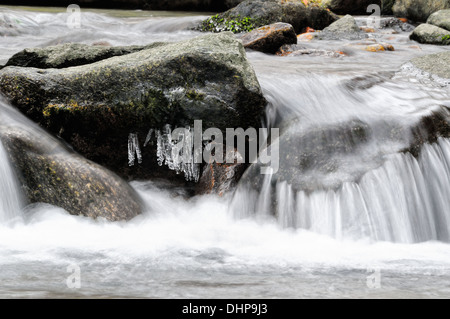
(406, 200)
(10, 193)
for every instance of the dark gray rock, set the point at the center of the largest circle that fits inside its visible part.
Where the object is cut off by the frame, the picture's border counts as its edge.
(50, 174)
(418, 10)
(350, 6)
(386, 7)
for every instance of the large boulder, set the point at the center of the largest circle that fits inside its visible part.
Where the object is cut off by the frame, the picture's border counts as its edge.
(358, 6)
(263, 12)
(430, 34)
(95, 107)
(440, 19)
(70, 54)
(418, 10)
(270, 38)
(51, 174)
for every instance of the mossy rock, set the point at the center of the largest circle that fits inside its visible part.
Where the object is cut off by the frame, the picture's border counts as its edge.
(51, 174)
(70, 54)
(430, 34)
(95, 107)
(264, 12)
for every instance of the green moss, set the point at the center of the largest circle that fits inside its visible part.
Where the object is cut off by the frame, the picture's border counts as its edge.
(219, 24)
(446, 39)
(194, 95)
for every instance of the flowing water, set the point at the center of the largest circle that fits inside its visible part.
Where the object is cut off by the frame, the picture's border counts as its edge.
(369, 214)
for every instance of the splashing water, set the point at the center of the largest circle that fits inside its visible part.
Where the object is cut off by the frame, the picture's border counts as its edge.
(10, 193)
(406, 200)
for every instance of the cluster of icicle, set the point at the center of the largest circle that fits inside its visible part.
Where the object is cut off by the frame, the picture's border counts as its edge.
(178, 159)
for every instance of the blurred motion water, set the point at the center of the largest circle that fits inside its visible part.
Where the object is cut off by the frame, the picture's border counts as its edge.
(356, 202)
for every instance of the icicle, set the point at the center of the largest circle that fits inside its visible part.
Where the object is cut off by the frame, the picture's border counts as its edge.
(149, 137)
(179, 159)
(134, 150)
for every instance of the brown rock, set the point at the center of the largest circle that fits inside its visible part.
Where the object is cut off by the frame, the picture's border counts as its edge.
(220, 178)
(379, 47)
(270, 38)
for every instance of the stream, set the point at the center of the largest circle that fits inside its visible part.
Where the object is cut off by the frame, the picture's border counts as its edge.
(373, 211)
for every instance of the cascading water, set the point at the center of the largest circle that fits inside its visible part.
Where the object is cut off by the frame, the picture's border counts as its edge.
(10, 193)
(357, 199)
(406, 200)
(343, 170)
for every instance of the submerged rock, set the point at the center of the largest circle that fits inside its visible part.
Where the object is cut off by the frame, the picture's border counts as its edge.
(325, 159)
(429, 129)
(440, 19)
(418, 10)
(70, 54)
(265, 12)
(270, 38)
(430, 34)
(379, 47)
(308, 159)
(437, 64)
(95, 107)
(50, 174)
(298, 50)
